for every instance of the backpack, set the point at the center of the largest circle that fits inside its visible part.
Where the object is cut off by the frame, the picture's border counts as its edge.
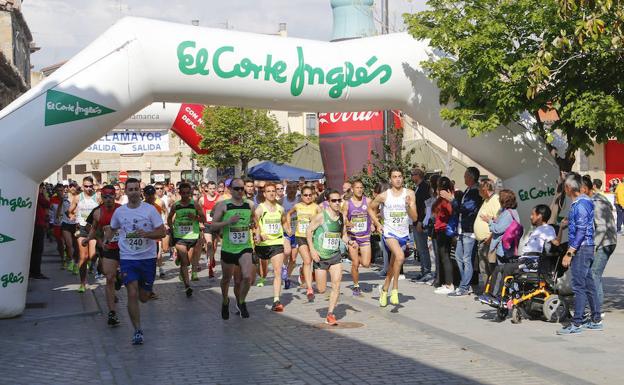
(511, 237)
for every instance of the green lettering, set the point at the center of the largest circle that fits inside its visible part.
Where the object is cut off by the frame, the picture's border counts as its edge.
(298, 79)
(247, 67)
(274, 70)
(217, 68)
(336, 77)
(315, 74)
(190, 65)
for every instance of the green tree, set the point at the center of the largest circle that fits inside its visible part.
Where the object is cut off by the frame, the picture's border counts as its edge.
(508, 57)
(233, 135)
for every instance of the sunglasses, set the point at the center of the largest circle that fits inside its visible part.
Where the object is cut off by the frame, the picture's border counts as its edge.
(87, 185)
(159, 188)
(238, 188)
(335, 200)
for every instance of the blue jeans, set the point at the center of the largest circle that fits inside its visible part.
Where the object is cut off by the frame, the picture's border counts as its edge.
(583, 285)
(600, 262)
(619, 210)
(463, 256)
(420, 239)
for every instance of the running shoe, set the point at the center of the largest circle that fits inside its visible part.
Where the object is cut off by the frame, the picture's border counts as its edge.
(284, 273)
(383, 298)
(310, 295)
(598, 326)
(277, 307)
(287, 284)
(569, 330)
(194, 276)
(112, 319)
(459, 292)
(445, 290)
(394, 297)
(210, 272)
(357, 291)
(153, 296)
(331, 319)
(82, 289)
(161, 273)
(137, 338)
(261, 282)
(225, 310)
(188, 291)
(242, 310)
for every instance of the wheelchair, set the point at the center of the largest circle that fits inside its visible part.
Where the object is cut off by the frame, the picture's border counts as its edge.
(545, 294)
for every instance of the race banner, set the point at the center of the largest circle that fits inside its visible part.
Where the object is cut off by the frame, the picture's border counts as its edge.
(131, 142)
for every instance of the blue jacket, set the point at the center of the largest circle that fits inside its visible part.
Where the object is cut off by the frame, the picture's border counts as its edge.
(498, 227)
(469, 208)
(581, 222)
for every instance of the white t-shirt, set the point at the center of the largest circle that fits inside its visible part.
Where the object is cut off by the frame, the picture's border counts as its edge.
(535, 244)
(128, 221)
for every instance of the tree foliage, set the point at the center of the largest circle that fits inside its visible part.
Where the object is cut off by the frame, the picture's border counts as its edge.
(233, 135)
(508, 57)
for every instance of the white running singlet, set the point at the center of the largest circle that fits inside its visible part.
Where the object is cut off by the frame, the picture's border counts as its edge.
(396, 223)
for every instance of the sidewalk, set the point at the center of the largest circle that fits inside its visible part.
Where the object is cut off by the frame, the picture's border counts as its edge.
(426, 339)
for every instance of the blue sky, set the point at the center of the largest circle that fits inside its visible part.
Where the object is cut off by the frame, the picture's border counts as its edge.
(63, 27)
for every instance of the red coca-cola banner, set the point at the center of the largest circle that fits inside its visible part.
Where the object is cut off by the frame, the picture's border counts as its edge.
(614, 162)
(185, 125)
(347, 141)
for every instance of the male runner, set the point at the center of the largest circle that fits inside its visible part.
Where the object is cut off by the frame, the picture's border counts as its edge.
(110, 250)
(139, 226)
(358, 222)
(83, 206)
(290, 243)
(207, 202)
(323, 235)
(161, 202)
(184, 219)
(68, 225)
(399, 203)
(250, 189)
(305, 211)
(279, 188)
(235, 217)
(270, 240)
(56, 201)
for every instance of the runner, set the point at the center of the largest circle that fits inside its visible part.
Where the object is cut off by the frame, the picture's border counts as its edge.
(56, 202)
(139, 226)
(110, 250)
(270, 240)
(68, 226)
(161, 203)
(279, 188)
(399, 203)
(83, 206)
(323, 236)
(120, 194)
(207, 202)
(184, 219)
(290, 243)
(358, 223)
(305, 210)
(234, 216)
(250, 189)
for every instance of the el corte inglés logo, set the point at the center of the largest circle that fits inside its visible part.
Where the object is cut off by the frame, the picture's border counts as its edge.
(61, 107)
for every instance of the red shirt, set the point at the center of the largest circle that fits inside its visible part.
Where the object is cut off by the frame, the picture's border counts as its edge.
(442, 209)
(41, 216)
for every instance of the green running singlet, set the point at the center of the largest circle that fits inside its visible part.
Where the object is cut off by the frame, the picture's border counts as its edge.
(183, 226)
(236, 237)
(327, 236)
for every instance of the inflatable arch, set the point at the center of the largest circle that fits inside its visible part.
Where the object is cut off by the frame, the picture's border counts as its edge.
(140, 61)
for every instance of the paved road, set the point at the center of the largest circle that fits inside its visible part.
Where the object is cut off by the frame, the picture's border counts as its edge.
(62, 339)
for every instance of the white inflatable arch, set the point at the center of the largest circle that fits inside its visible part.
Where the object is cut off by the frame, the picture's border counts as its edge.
(140, 61)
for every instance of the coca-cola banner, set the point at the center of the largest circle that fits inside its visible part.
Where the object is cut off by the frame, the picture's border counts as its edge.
(347, 141)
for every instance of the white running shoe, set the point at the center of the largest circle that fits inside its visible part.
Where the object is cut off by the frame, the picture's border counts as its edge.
(445, 290)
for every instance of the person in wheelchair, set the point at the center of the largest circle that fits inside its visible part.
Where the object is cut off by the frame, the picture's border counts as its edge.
(538, 239)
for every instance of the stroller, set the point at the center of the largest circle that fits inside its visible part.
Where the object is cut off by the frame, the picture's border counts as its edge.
(545, 294)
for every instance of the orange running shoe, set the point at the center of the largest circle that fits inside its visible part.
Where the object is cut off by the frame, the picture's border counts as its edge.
(277, 307)
(331, 319)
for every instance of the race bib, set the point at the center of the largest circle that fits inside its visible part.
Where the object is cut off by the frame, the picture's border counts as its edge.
(183, 230)
(115, 237)
(398, 218)
(136, 244)
(208, 216)
(302, 226)
(331, 241)
(239, 237)
(272, 228)
(359, 224)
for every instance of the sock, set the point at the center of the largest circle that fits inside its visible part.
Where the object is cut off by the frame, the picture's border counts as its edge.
(275, 299)
(241, 300)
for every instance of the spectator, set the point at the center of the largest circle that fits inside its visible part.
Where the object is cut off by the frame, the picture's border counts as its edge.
(469, 206)
(41, 226)
(605, 236)
(580, 256)
(442, 210)
(597, 186)
(619, 206)
(506, 215)
(422, 191)
(490, 208)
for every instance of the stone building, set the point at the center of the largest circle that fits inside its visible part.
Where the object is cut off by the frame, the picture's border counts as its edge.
(16, 45)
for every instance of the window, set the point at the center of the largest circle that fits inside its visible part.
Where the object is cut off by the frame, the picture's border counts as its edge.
(66, 171)
(80, 168)
(311, 124)
(188, 176)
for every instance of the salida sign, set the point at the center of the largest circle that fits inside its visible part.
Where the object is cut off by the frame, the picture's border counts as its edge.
(192, 61)
(131, 142)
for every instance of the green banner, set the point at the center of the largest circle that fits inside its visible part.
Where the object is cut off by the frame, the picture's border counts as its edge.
(5, 238)
(62, 107)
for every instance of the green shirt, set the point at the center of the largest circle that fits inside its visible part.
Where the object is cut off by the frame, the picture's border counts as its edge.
(183, 226)
(237, 236)
(327, 236)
